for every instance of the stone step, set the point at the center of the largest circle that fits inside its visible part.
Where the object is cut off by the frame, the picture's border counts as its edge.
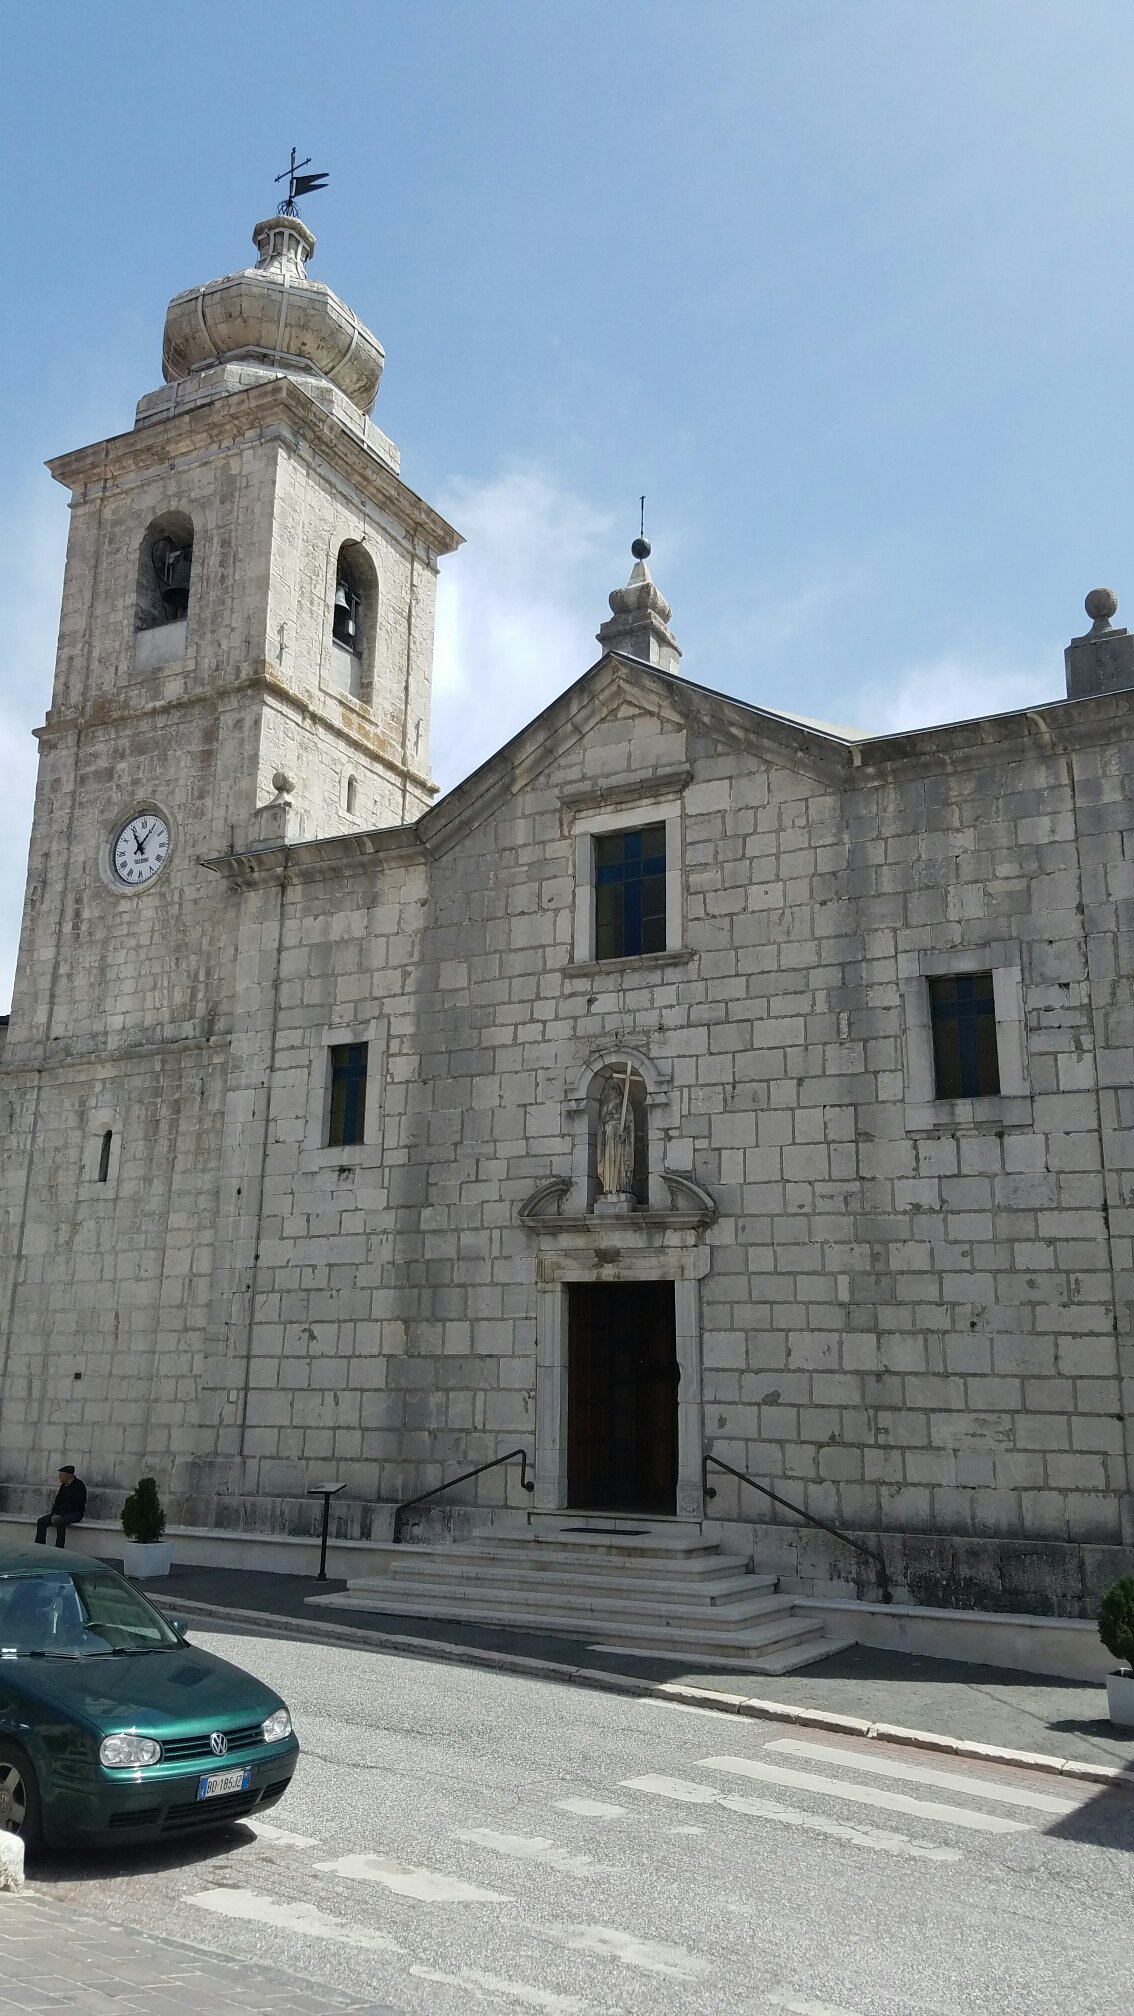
(383, 1592)
(805, 1654)
(649, 1594)
(699, 1635)
(704, 1563)
(436, 1573)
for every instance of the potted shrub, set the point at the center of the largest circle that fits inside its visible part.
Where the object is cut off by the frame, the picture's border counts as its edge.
(145, 1553)
(1116, 1629)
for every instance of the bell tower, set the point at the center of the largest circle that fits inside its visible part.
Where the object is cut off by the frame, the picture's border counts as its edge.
(245, 655)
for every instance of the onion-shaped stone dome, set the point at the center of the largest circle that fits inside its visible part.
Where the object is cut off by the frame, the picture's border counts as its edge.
(272, 314)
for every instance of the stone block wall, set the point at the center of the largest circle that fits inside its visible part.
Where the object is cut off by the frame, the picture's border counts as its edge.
(910, 1323)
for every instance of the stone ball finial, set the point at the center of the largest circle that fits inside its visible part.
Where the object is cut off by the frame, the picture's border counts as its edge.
(282, 784)
(641, 549)
(1101, 604)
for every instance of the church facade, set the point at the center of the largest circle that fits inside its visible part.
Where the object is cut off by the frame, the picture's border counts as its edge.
(693, 1081)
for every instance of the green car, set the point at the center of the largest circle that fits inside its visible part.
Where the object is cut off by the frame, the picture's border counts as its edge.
(111, 1725)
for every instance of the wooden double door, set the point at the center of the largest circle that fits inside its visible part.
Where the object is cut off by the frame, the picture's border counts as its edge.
(622, 1380)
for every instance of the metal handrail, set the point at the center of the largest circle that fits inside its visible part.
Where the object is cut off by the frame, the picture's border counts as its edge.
(884, 1588)
(526, 1484)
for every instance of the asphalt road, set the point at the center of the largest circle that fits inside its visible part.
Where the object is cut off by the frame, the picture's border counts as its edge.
(457, 1840)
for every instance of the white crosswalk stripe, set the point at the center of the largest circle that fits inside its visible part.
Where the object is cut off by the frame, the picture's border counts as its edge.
(854, 1833)
(864, 1795)
(426, 1886)
(253, 1908)
(970, 1784)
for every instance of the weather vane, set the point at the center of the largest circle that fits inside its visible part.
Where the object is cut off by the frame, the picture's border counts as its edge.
(298, 184)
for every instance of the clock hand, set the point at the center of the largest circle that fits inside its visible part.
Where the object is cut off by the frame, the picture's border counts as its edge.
(139, 845)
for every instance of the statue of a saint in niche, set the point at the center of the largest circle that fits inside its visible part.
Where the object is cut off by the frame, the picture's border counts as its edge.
(614, 1161)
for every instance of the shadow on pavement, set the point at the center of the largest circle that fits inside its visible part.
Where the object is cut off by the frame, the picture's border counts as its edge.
(1104, 1821)
(54, 1868)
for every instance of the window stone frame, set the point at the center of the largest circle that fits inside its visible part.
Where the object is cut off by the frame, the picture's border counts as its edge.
(589, 822)
(366, 1154)
(924, 1111)
(101, 1121)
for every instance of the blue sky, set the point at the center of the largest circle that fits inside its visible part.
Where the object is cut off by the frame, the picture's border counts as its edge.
(843, 285)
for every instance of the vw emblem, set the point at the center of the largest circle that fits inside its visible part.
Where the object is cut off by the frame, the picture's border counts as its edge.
(218, 1743)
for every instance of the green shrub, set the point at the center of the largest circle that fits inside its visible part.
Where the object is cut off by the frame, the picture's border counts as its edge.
(1116, 1619)
(143, 1520)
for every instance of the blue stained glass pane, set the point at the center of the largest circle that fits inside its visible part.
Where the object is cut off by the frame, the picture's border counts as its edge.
(630, 892)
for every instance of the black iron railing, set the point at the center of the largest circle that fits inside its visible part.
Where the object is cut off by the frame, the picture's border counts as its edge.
(526, 1484)
(869, 1554)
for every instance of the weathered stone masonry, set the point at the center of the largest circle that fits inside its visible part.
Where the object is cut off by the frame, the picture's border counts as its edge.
(912, 1314)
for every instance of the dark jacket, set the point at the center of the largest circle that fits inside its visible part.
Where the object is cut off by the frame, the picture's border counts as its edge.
(70, 1501)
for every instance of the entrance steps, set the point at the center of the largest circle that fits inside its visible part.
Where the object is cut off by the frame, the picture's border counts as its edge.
(653, 1591)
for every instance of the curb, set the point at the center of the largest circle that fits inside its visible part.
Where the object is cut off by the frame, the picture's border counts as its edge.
(1115, 1775)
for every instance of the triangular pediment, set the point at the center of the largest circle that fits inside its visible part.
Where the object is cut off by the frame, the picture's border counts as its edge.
(623, 689)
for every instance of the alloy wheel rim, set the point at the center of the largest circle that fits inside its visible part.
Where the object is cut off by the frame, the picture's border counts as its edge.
(13, 1800)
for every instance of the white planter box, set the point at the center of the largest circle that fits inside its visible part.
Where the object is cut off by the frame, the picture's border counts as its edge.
(1120, 1698)
(143, 1561)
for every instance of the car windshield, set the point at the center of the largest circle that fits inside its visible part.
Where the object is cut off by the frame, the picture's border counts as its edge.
(76, 1616)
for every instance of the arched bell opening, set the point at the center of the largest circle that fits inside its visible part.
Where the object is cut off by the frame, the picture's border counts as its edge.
(354, 616)
(165, 572)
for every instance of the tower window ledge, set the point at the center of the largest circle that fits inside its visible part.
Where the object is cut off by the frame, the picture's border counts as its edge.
(344, 674)
(162, 645)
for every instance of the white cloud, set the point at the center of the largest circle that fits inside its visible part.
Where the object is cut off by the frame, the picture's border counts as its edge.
(517, 610)
(33, 533)
(951, 688)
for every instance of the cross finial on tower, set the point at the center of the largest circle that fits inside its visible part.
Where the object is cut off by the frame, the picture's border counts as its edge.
(298, 184)
(638, 624)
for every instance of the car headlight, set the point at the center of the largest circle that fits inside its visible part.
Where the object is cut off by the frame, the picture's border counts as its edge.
(121, 1752)
(277, 1726)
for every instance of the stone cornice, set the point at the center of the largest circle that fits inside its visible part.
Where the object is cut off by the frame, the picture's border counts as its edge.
(1056, 725)
(264, 682)
(304, 860)
(276, 406)
(104, 1059)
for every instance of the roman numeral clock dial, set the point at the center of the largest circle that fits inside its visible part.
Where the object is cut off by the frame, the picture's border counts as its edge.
(139, 849)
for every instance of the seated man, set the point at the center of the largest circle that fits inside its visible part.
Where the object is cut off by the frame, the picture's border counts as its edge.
(70, 1504)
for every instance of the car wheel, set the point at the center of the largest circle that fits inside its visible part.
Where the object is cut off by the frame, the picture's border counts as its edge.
(20, 1811)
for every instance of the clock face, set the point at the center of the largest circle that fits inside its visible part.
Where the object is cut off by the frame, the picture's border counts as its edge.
(139, 849)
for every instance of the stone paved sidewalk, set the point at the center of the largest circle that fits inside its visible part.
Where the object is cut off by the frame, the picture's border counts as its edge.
(982, 1704)
(56, 1959)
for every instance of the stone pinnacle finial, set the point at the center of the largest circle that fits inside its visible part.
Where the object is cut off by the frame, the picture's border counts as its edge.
(1101, 604)
(638, 625)
(1103, 660)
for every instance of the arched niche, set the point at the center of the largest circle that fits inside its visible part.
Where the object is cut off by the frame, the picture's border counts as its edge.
(354, 621)
(651, 1099)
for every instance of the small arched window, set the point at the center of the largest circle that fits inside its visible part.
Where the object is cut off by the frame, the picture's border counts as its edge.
(165, 568)
(352, 794)
(354, 616)
(104, 1155)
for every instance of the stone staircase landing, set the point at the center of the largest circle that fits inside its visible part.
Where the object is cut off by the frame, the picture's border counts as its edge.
(658, 1591)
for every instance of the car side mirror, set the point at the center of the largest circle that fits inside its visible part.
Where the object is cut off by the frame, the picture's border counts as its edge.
(179, 1625)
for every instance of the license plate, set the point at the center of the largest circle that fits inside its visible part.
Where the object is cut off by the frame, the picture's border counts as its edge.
(220, 1782)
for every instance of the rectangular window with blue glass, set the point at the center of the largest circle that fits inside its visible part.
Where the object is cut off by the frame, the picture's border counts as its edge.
(962, 1013)
(630, 892)
(347, 1117)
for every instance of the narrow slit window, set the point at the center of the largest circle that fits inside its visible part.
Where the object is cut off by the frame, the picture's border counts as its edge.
(630, 892)
(347, 1121)
(352, 794)
(104, 1156)
(963, 1016)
